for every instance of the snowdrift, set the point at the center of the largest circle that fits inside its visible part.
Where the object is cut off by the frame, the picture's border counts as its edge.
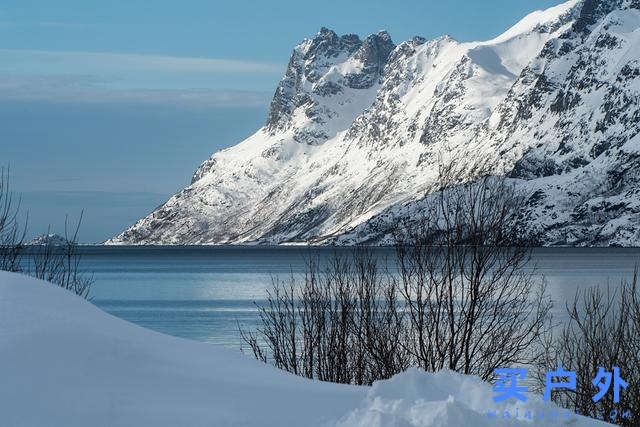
(66, 363)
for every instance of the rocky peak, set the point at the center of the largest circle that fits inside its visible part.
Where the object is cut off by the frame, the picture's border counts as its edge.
(375, 50)
(373, 55)
(322, 67)
(594, 10)
(328, 44)
(406, 48)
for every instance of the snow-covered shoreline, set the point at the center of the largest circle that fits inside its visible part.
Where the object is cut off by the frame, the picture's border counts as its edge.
(67, 363)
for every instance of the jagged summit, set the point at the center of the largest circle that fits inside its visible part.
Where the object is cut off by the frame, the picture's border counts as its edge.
(322, 69)
(357, 128)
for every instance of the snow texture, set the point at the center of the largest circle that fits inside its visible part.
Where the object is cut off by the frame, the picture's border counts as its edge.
(357, 129)
(66, 363)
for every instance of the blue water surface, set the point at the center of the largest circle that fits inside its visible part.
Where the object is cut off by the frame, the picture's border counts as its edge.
(204, 292)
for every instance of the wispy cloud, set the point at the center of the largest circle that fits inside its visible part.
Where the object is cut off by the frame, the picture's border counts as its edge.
(11, 59)
(5, 23)
(123, 77)
(90, 89)
(59, 24)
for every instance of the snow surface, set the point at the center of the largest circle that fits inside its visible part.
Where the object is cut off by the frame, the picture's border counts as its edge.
(66, 363)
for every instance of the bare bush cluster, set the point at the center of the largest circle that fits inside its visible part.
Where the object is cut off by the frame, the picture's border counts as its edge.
(603, 330)
(58, 264)
(12, 231)
(458, 294)
(467, 280)
(342, 324)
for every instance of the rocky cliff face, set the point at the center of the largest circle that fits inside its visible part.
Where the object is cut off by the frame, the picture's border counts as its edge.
(320, 69)
(357, 129)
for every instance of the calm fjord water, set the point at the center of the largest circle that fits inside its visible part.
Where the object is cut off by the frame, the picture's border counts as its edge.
(202, 292)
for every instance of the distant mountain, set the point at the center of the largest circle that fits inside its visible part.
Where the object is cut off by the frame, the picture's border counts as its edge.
(357, 128)
(49, 239)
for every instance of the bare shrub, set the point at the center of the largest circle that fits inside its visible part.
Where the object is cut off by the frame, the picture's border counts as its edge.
(468, 283)
(12, 231)
(56, 264)
(603, 330)
(60, 264)
(340, 323)
(459, 295)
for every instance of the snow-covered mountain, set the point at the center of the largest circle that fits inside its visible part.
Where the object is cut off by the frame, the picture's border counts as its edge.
(51, 239)
(357, 129)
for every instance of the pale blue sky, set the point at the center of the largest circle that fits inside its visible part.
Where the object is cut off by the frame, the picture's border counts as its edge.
(111, 105)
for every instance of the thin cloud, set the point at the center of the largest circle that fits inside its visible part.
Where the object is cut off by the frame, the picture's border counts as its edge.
(13, 58)
(131, 78)
(58, 24)
(91, 89)
(44, 24)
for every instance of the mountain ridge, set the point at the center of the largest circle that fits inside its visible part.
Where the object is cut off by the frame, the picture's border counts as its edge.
(356, 130)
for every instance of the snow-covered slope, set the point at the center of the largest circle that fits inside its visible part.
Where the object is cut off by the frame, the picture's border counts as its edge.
(66, 363)
(357, 129)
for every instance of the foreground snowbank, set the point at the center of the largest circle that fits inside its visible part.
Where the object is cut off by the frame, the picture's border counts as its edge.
(445, 399)
(66, 363)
